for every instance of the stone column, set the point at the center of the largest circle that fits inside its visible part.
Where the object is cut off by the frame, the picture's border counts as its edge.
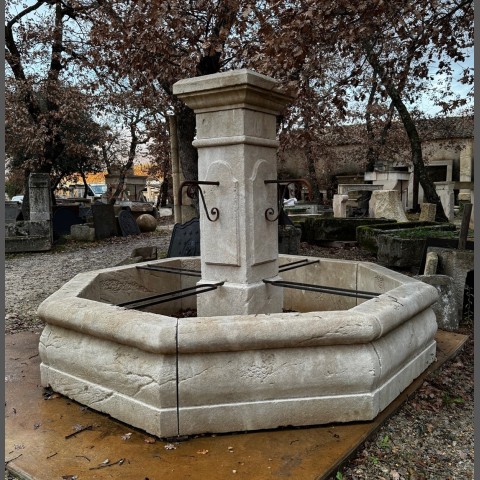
(40, 209)
(236, 140)
(466, 161)
(39, 197)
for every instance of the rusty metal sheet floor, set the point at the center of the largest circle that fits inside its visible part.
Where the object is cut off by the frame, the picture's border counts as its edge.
(58, 438)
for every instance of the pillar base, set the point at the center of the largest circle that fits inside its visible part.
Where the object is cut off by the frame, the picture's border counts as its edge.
(240, 299)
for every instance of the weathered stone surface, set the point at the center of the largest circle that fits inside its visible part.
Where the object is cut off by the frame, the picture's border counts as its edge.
(446, 307)
(147, 222)
(237, 372)
(455, 264)
(127, 223)
(32, 243)
(12, 211)
(340, 206)
(185, 239)
(236, 140)
(83, 233)
(447, 197)
(431, 263)
(400, 252)
(64, 217)
(289, 239)
(387, 204)
(125, 382)
(367, 235)
(28, 236)
(104, 221)
(428, 212)
(246, 365)
(317, 229)
(40, 200)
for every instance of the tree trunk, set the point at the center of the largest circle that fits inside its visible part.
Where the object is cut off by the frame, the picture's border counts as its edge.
(163, 196)
(131, 158)
(185, 134)
(84, 178)
(420, 170)
(312, 177)
(26, 196)
(187, 153)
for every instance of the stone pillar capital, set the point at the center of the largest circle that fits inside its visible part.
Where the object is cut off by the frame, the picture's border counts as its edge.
(234, 89)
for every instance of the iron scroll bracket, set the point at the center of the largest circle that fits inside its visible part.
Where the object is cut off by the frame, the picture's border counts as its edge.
(284, 183)
(194, 187)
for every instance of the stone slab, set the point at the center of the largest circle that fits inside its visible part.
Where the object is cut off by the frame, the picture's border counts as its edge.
(64, 217)
(12, 211)
(83, 233)
(127, 223)
(185, 239)
(32, 243)
(38, 428)
(104, 221)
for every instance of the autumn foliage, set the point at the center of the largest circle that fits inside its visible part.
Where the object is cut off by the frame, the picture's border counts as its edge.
(367, 62)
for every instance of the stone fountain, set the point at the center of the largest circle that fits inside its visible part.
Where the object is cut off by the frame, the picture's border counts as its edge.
(279, 340)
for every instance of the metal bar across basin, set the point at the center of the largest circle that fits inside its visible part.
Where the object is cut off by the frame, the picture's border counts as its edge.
(180, 271)
(300, 263)
(321, 288)
(169, 296)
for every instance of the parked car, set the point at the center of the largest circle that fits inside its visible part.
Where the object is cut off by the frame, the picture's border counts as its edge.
(17, 198)
(96, 190)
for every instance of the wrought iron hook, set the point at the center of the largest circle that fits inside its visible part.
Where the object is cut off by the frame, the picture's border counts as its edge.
(194, 186)
(284, 183)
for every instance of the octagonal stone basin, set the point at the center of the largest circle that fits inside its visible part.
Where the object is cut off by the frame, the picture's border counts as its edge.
(333, 359)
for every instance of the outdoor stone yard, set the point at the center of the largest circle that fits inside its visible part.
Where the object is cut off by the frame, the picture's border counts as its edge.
(430, 437)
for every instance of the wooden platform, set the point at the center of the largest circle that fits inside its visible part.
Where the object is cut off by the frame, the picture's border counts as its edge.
(39, 444)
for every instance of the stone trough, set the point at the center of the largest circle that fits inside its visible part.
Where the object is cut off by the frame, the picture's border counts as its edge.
(335, 359)
(257, 355)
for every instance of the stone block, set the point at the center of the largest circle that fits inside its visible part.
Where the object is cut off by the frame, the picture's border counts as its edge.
(445, 308)
(428, 212)
(431, 264)
(289, 239)
(318, 229)
(400, 252)
(340, 206)
(456, 264)
(82, 233)
(368, 235)
(12, 211)
(387, 204)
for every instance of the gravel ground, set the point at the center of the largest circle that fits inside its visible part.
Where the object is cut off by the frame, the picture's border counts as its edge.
(430, 437)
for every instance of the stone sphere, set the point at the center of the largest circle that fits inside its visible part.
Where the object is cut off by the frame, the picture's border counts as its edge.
(147, 222)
